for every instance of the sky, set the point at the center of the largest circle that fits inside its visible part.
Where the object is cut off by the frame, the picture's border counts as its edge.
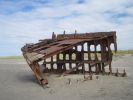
(27, 21)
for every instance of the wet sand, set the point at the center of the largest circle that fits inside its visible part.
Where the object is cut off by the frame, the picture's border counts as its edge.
(17, 82)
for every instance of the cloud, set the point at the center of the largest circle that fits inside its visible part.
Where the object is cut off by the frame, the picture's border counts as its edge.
(23, 21)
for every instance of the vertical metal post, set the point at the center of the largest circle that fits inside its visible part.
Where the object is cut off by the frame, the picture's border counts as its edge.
(70, 59)
(57, 59)
(109, 56)
(44, 63)
(103, 69)
(82, 55)
(76, 57)
(52, 63)
(103, 57)
(64, 60)
(89, 56)
(96, 58)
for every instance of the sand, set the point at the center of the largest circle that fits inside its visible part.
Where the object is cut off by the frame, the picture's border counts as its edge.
(17, 82)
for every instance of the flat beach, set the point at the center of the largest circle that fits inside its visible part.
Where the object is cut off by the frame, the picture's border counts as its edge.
(17, 82)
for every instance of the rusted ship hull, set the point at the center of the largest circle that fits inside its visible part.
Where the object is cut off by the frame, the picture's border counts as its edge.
(71, 49)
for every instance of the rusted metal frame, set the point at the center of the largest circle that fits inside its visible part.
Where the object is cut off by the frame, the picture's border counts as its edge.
(109, 55)
(37, 60)
(64, 60)
(82, 57)
(59, 51)
(57, 60)
(99, 64)
(103, 48)
(84, 35)
(103, 45)
(53, 36)
(99, 67)
(88, 51)
(76, 57)
(63, 49)
(44, 64)
(89, 56)
(38, 74)
(70, 59)
(40, 44)
(36, 70)
(95, 52)
(52, 63)
(72, 69)
(81, 64)
(36, 47)
(84, 51)
(96, 58)
(40, 48)
(73, 61)
(46, 46)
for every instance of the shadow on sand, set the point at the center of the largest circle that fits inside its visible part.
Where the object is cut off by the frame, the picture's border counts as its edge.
(27, 78)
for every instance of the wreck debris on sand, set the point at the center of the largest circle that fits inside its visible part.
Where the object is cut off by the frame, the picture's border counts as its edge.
(63, 50)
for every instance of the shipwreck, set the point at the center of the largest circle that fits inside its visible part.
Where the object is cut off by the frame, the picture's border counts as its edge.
(71, 53)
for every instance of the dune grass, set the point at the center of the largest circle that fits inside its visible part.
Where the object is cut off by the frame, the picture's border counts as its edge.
(123, 52)
(11, 57)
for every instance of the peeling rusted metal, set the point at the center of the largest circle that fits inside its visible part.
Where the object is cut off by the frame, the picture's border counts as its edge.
(67, 45)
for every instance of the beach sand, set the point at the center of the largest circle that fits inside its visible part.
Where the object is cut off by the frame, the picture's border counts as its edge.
(17, 82)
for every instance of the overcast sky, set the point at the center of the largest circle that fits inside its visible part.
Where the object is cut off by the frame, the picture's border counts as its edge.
(26, 21)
